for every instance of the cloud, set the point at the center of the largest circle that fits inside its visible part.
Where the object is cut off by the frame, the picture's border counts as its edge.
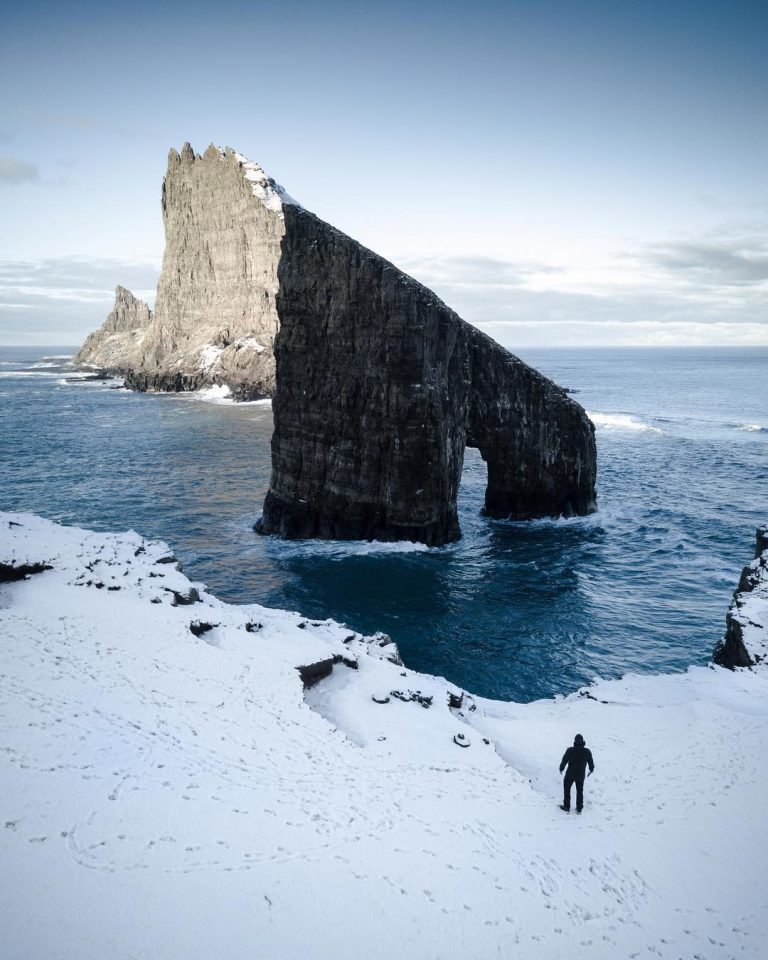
(704, 292)
(476, 271)
(17, 171)
(696, 293)
(714, 264)
(60, 300)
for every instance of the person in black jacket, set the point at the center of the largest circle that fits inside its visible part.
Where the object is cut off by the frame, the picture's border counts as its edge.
(576, 758)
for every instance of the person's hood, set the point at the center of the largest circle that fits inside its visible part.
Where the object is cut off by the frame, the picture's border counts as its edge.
(579, 741)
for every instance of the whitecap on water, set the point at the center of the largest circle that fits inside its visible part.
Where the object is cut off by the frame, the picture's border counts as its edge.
(752, 427)
(620, 421)
(343, 549)
(78, 381)
(15, 374)
(221, 394)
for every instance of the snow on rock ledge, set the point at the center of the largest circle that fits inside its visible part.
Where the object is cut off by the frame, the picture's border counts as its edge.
(185, 777)
(264, 188)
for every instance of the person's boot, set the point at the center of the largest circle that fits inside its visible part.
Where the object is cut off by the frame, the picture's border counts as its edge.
(563, 807)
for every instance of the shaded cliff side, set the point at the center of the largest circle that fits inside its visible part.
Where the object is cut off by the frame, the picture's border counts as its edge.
(380, 387)
(746, 624)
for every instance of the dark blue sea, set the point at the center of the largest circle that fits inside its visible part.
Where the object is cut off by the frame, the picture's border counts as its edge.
(514, 610)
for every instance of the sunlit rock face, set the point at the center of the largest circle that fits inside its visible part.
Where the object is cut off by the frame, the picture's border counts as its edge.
(215, 317)
(116, 344)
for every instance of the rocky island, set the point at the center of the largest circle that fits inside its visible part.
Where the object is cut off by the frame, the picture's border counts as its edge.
(378, 386)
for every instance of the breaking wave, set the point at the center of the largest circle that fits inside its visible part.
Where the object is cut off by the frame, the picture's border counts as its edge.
(621, 421)
(221, 394)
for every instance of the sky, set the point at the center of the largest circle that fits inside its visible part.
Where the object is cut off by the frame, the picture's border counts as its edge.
(560, 173)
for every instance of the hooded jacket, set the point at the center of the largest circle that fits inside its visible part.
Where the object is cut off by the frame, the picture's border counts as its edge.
(577, 758)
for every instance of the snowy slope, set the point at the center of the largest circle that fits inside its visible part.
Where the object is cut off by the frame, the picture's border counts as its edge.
(166, 794)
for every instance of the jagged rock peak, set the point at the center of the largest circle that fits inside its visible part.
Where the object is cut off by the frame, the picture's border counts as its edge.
(123, 296)
(115, 344)
(215, 317)
(272, 194)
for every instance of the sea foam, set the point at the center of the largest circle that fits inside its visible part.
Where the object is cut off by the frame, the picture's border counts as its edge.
(620, 421)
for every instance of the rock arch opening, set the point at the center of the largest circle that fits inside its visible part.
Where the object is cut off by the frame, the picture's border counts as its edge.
(473, 484)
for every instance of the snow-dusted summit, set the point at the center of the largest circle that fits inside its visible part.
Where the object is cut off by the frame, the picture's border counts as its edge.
(215, 316)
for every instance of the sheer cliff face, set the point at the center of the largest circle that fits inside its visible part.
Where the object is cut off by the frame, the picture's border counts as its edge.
(117, 343)
(215, 315)
(380, 387)
(215, 318)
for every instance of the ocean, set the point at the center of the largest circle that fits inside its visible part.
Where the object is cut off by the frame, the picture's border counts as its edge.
(513, 610)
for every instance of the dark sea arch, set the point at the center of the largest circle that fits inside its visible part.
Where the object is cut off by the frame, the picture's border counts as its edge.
(381, 386)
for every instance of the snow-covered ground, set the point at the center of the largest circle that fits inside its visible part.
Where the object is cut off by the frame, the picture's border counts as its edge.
(175, 794)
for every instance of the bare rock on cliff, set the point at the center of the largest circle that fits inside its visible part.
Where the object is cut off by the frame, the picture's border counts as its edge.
(215, 317)
(745, 643)
(378, 386)
(381, 387)
(117, 343)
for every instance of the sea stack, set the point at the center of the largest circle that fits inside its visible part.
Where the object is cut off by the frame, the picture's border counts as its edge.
(378, 386)
(215, 318)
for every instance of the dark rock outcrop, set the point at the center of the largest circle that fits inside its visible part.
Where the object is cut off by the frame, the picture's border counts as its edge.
(312, 673)
(380, 387)
(746, 624)
(10, 572)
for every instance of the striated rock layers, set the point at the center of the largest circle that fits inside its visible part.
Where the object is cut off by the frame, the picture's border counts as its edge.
(746, 624)
(215, 318)
(380, 387)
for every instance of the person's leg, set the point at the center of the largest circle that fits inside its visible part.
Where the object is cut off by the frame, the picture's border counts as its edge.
(567, 784)
(579, 794)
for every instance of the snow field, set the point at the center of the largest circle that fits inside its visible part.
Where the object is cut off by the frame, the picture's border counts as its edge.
(168, 794)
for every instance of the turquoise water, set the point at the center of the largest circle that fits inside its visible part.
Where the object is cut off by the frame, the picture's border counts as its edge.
(513, 610)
